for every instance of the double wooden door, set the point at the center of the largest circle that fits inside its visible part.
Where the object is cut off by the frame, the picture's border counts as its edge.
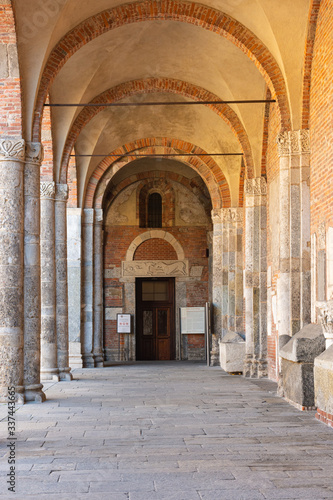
(155, 319)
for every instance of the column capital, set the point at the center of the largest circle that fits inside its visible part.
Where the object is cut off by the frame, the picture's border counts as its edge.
(61, 192)
(293, 142)
(98, 215)
(34, 152)
(255, 187)
(12, 149)
(216, 215)
(232, 215)
(47, 190)
(88, 215)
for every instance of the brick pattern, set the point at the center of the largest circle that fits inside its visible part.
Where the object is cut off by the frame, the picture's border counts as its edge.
(10, 85)
(206, 167)
(72, 184)
(324, 417)
(321, 120)
(155, 249)
(180, 11)
(164, 85)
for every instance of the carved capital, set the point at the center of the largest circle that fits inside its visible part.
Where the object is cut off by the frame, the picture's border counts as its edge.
(326, 317)
(61, 192)
(12, 149)
(232, 215)
(47, 190)
(294, 142)
(34, 152)
(98, 215)
(255, 187)
(216, 216)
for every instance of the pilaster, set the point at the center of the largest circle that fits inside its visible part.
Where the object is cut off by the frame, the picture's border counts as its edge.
(12, 154)
(87, 317)
(32, 285)
(98, 289)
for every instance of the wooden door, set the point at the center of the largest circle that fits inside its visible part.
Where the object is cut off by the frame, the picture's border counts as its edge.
(155, 319)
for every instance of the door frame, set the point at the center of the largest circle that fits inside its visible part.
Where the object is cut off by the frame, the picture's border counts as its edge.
(156, 304)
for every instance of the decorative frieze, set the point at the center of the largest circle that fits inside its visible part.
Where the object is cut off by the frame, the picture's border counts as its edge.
(155, 268)
(232, 215)
(255, 187)
(12, 149)
(293, 142)
(47, 190)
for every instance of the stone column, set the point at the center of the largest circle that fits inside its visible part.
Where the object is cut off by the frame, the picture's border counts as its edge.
(217, 295)
(98, 289)
(49, 364)
(12, 155)
(294, 284)
(255, 278)
(61, 281)
(32, 288)
(74, 263)
(87, 320)
(232, 270)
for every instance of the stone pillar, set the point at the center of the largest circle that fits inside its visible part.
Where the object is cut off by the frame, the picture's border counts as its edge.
(74, 263)
(32, 287)
(87, 319)
(232, 270)
(12, 153)
(217, 288)
(49, 364)
(255, 278)
(294, 283)
(61, 281)
(98, 289)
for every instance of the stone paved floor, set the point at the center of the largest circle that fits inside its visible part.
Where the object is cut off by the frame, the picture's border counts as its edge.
(167, 431)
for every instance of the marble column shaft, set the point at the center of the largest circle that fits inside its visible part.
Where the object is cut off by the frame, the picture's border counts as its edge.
(49, 364)
(87, 317)
(255, 277)
(61, 196)
(217, 285)
(98, 289)
(294, 284)
(32, 286)
(12, 154)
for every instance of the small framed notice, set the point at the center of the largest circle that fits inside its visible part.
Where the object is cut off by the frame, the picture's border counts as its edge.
(192, 320)
(124, 323)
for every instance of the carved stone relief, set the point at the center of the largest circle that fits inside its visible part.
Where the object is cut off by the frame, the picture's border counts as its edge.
(255, 187)
(12, 149)
(47, 189)
(293, 142)
(155, 268)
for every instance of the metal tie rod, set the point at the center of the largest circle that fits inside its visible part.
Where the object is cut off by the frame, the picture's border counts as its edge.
(155, 103)
(158, 155)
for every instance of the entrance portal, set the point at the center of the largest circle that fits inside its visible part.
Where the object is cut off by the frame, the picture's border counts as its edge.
(155, 319)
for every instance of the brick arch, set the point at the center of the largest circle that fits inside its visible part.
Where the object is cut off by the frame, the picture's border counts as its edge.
(165, 85)
(155, 234)
(155, 249)
(163, 10)
(206, 167)
(311, 35)
(190, 184)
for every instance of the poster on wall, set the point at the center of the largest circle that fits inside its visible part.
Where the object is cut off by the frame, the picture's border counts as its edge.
(123, 323)
(192, 320)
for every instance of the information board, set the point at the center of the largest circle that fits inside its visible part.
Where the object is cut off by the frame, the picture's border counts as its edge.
(123, 323)
(192, 320)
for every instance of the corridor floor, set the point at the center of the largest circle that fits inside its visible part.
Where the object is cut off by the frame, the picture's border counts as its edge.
(166, 431)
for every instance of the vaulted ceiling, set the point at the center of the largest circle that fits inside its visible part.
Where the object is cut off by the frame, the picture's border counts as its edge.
(160, 51)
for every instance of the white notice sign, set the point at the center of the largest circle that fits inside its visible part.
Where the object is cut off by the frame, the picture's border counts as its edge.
(123, 323)
(192, 320)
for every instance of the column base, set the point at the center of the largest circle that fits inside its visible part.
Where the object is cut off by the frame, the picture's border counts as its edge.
(99, 360)
(65, 374)
(34, 394)
(49, 374)
(88, 360)
(19, 395)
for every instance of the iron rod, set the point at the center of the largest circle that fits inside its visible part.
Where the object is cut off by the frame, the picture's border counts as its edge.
(157, 154)
(171, 103)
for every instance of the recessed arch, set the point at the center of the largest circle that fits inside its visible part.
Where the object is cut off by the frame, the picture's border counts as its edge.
(205, 166)
(158, 234)
(165, 85)
(188, 12)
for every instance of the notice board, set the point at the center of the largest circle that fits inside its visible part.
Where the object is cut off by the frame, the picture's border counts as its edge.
(192, 320)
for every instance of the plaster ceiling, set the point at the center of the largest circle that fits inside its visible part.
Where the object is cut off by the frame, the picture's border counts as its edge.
(161, 49)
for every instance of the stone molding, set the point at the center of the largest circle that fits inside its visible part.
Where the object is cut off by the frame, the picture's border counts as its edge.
(155, 268)
(293, 142)
(34, 152)
(47, 190)
(255, 187)
(12, 149)
(61, 192)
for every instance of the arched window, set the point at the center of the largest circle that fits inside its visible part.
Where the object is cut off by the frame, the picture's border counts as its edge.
(154, 218)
